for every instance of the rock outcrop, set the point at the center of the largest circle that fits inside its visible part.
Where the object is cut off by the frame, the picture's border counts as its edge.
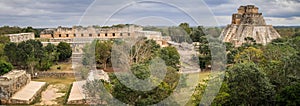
(248, 23)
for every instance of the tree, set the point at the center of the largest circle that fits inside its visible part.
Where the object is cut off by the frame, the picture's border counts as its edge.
(89, 54)
(103, 53)
(9, 30)
(204, 53)
(4, 39)
(140, 71)
(64, 50)
(280, 64)
(289, 95)
(144, 50)
(136, 97)
(51, 50)
(5, 67)
(231, 52)
(31, 54)
(186, 27)
(250, 54)
(46, 61)
(171, 57)
(197, 33)
(249, 85)
(2, 52)
(223, 97)
(11, 50)
(127, 95)
(32, 30)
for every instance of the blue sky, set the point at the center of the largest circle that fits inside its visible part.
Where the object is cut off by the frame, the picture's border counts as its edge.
(53, 13)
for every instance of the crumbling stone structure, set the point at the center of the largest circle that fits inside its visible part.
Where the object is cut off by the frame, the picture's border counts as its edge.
(16, 87)
(78, 36)
(248, 22)
(20, 37)
(65, 34)
(91, 31)
(11, 83)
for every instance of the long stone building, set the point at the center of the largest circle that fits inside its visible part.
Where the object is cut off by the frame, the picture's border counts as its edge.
(91, 31)
(248, 22)
(79, 35)
(19, 37)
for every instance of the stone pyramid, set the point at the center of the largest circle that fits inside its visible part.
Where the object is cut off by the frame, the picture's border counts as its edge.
(248, 23)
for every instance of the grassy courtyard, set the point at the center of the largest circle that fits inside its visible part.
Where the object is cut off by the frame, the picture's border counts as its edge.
(62, 66)
(58, 88)
(56, 91)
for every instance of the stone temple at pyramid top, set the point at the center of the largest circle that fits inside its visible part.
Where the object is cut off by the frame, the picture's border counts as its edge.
(248, 15)
(248, 22)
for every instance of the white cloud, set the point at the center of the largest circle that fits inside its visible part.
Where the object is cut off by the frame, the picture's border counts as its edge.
(294, 21)
(52, 13)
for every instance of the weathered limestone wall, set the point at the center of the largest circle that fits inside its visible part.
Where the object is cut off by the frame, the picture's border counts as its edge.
(12, 82)
(55, 74)
(96, 32)
(20, 37)
(236, 34)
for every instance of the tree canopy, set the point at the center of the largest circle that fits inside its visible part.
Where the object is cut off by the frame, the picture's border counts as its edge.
(5, 67)
(64, 50)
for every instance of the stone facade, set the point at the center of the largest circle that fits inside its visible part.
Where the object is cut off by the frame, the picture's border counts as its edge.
(77, 34)
(91, 31)
(156, 36)
(12, 82)
(20, 37)
(248, 22)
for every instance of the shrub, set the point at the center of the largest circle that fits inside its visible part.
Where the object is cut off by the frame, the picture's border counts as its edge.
(5, 67)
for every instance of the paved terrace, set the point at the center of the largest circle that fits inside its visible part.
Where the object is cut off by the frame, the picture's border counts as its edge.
(27, 94)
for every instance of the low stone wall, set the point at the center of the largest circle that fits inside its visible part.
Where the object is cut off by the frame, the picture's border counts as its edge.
(55, 74)
(12, 82)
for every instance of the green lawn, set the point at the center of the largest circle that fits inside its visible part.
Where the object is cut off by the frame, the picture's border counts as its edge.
(64, 66)
(64, 80)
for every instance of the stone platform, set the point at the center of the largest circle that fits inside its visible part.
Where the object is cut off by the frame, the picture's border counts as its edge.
(28, 93)
(76, 95)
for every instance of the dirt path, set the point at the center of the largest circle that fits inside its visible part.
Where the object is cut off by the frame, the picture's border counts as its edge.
(50, 95)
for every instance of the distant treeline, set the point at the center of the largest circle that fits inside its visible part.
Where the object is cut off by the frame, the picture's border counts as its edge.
(16, 29)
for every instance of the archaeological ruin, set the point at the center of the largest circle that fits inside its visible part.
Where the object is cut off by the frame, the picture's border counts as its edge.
(248, 23)
(16, 87)
(19, 37)
(78, 36)
(69, 35)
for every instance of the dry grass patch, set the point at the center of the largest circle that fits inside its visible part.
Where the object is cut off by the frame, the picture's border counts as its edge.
(62, 66)
(61, 84)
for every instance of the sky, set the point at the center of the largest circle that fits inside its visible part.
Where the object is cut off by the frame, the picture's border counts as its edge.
(54, 13)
